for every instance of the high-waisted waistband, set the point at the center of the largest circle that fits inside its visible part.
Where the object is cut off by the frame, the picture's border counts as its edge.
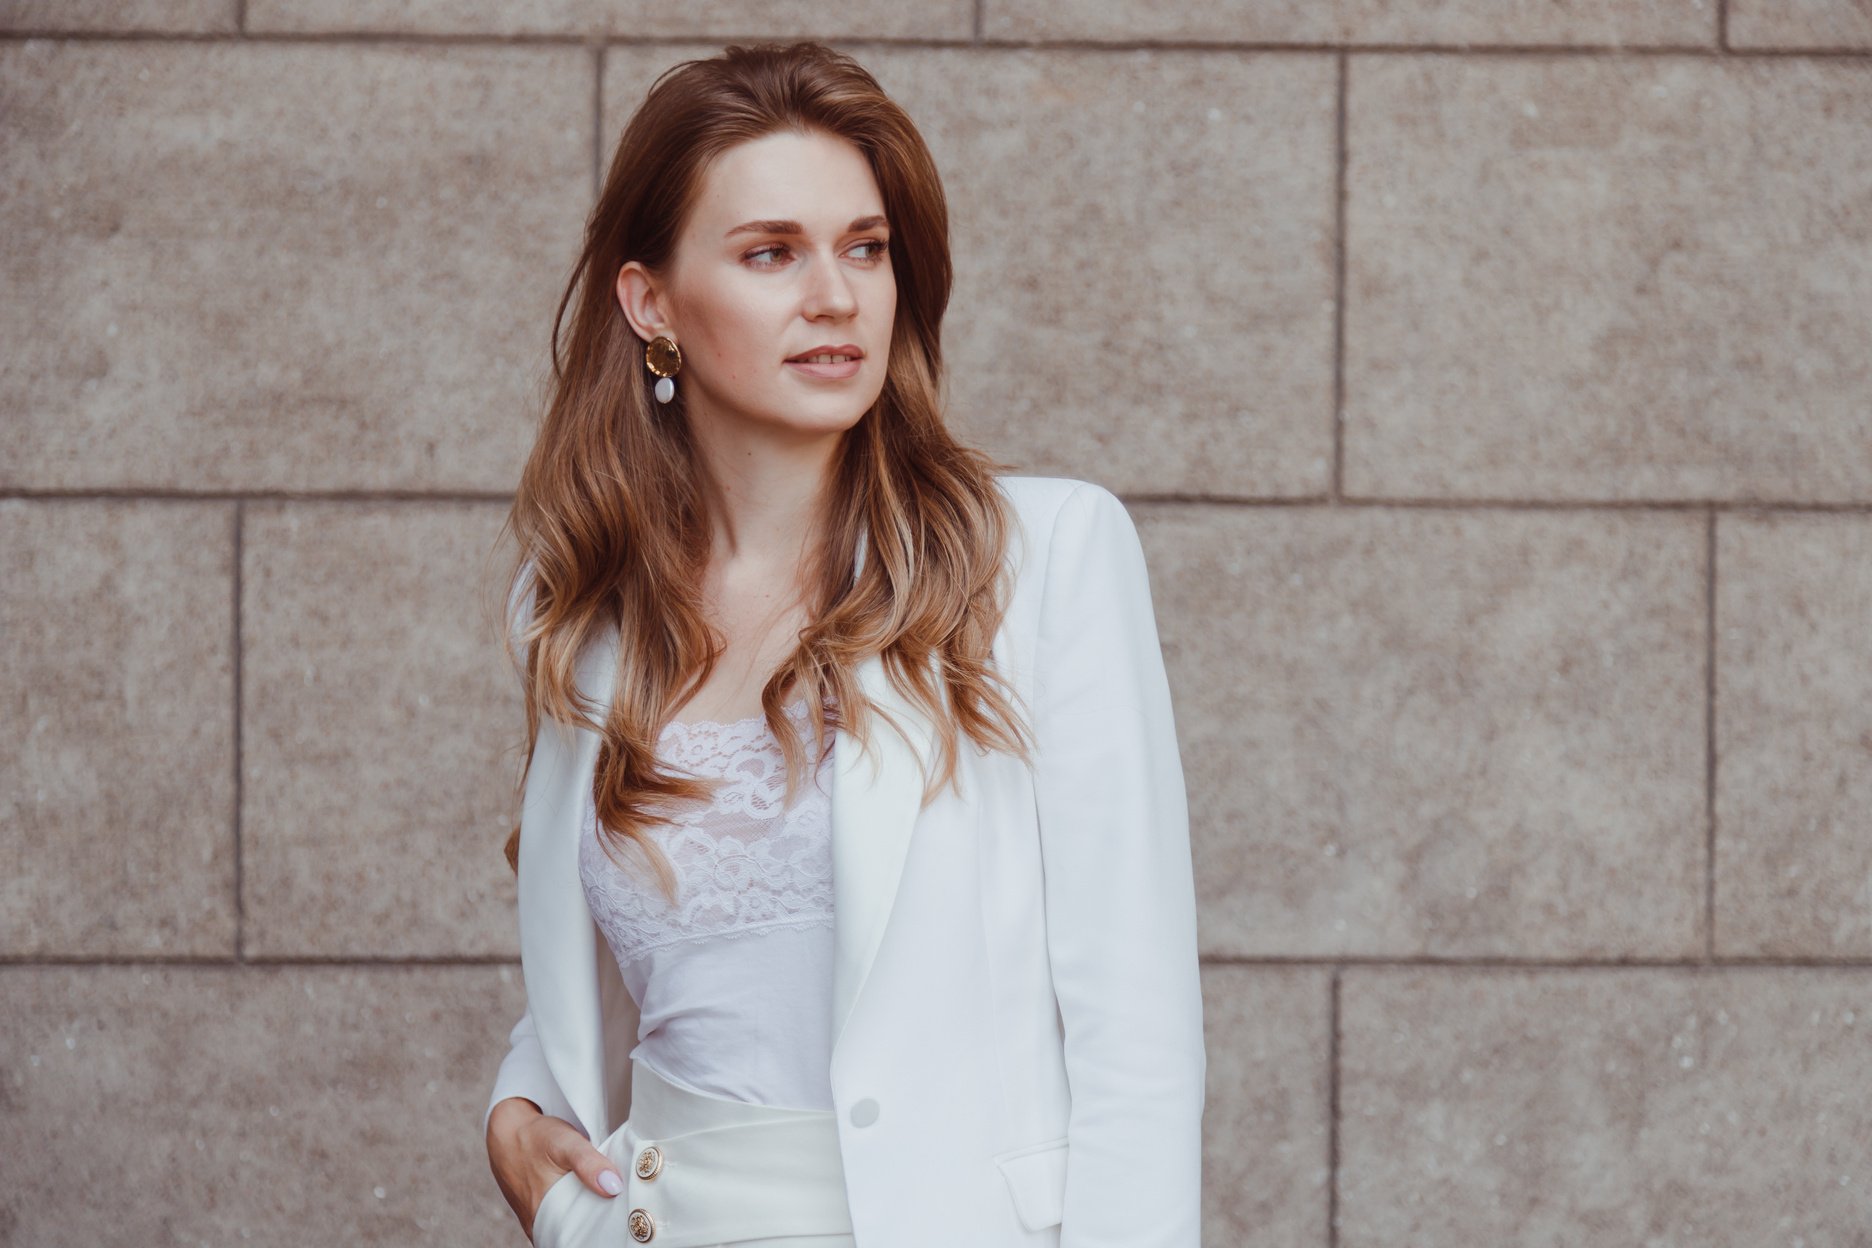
(702, 1170)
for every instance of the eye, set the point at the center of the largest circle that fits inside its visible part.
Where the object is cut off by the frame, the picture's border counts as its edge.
(881, 246)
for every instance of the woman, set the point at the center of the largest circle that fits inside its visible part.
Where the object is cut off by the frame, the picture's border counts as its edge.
(917, 965)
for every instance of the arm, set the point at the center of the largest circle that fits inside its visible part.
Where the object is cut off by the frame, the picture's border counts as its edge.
(523, 1071)
(533, 1137)
(1119, 890)
(523, 1074)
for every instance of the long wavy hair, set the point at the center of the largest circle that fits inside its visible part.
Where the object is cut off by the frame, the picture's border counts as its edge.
(611, 522)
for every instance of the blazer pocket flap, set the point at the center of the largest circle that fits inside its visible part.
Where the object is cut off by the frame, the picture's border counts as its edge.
(1036, 1179)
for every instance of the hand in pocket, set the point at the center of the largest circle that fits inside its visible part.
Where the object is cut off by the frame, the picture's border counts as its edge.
(529, 1152)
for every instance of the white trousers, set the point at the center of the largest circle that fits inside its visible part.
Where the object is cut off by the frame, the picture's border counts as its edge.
(706, 1171)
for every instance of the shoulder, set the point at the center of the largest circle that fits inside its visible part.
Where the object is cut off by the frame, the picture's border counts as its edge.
(1076, 553)
(1042, 503)
(1065, 513)
(1033, 494)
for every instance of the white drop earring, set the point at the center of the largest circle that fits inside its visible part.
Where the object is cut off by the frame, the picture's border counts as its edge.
(663, 358)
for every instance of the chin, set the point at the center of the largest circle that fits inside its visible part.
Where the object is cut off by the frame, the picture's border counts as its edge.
(819, 423)
(834, 412)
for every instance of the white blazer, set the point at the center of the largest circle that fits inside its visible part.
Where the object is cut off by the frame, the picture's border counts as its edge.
(1017, 1000)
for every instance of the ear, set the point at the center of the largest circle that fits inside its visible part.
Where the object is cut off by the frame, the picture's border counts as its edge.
(639, 295)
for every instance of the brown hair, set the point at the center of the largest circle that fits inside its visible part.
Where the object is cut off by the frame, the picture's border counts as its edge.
(610, 518)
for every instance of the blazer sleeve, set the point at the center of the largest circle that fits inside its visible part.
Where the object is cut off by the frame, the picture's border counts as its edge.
(1119, 890)
(523, 1071)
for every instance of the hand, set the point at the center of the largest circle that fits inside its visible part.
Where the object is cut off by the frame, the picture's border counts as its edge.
(529, 1151)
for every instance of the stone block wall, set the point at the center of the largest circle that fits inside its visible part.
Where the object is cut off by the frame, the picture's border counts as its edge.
(1491, 381)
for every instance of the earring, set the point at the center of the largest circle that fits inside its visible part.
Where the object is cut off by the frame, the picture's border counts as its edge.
(665, 360)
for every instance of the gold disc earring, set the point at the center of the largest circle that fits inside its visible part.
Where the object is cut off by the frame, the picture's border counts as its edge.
(665, 360)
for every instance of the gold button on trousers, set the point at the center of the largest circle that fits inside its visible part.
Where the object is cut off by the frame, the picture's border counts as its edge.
(706, 1171)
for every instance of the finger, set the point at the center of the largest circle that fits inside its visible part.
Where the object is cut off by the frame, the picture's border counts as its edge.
(597, 1171)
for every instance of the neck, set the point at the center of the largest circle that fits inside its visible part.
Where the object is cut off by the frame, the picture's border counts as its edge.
(766, 495)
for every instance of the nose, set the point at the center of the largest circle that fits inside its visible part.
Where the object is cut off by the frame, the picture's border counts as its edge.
(829, 291)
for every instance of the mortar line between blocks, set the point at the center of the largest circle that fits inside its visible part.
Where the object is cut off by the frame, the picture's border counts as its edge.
(1332, 1109)
(1710, 759)
(598, 134)
(239, 525)
(1336, 485)
(1609, 51)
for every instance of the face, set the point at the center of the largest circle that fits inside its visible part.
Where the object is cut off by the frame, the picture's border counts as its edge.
(783, 255)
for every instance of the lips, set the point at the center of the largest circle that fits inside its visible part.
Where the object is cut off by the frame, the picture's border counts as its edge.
(845, 348)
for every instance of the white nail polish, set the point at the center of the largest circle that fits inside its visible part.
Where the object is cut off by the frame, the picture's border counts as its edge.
(609, 1180)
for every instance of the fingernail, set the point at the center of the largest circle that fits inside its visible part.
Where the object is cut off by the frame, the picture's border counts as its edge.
(609, 1180)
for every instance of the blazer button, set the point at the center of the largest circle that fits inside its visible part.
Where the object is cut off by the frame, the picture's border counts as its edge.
(864, 1112)
(642, 1226)
(649, 1162)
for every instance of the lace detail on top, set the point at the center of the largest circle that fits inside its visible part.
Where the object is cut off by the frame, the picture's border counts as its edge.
(744, 863)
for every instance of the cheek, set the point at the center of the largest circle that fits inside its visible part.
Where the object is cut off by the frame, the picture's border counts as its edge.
(886, 297)
(736, 335)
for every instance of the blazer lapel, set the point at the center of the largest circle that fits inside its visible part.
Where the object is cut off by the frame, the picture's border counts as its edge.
(875, 800)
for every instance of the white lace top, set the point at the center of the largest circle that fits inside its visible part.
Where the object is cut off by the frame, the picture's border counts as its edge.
(734, 983)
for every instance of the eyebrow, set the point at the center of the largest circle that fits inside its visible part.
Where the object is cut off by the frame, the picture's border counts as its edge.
(794, 227)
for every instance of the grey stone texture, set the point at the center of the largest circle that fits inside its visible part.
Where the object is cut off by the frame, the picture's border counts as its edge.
(1625, 279)
(1820, 25)
(377, 716)
(174, 17)
(117, 803)
(1610, 24)
(1446, 733)
(270, 265)
(619, 19)
(1266, 1155)
(250, 1104)
(1715, 1105)
(1794, 736)
(1489, 382)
